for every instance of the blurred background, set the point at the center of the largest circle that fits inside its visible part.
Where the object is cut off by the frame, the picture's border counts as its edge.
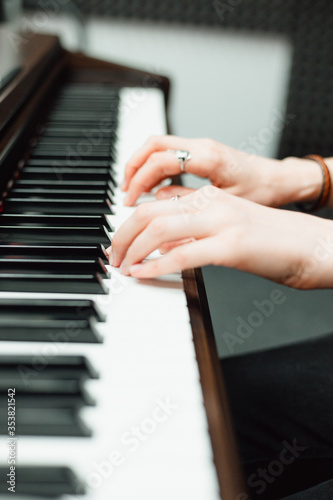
(254, 74)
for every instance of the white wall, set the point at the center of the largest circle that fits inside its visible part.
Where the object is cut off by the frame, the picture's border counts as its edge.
(225, 85)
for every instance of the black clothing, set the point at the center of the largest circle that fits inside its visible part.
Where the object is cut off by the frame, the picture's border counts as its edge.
(282, 407)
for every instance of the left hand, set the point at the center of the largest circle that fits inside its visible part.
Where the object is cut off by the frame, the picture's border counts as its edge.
(211, 226)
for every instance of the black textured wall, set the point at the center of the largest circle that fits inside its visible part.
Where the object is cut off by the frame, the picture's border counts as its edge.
(309, 23)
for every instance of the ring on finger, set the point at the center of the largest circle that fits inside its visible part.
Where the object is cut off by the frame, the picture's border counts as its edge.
(182, 155)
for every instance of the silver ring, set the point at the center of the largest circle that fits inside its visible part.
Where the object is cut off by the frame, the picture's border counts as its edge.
(175, 198)
(182, 155)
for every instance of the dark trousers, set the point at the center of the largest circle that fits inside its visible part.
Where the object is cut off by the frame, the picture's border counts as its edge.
(282, 407)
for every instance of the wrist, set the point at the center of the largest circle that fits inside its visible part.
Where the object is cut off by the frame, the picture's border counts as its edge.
(317, 256)
(300, 180)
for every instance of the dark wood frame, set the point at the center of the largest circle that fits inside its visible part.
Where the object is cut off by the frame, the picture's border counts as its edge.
(44, 63)
(230, 477)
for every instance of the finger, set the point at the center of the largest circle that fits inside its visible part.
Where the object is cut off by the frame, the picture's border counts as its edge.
(152, 145)
(196, 254)
(159, 166)
(166, 247)
(168, 192)
(162, 229)
(133, 226)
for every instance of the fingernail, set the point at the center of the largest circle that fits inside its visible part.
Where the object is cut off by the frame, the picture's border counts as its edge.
(127, 200)
(124, 268)
(136, 268)
(110, 258)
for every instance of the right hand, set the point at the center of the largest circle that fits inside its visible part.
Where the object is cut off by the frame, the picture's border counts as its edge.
(210, 226)
(237, 172)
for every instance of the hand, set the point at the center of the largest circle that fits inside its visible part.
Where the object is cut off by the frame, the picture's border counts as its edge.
(223, 230)
(263, 180)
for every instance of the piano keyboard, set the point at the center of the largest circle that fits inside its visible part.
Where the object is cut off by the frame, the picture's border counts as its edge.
(107, 391)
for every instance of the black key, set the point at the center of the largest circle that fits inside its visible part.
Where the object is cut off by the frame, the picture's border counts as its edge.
(85, 100)
(18, 368)
(50, 154)
(73, 108)
(72, 310)
(76, 159)
(86, 96)
(52, 235)
(64, 142)
(73, 194)
(108, 114)
(71, 89)
(59, 184)
(90, 103)
(81, 116)
(47, 221)
(56, 283)
(45, 422)
(57, 206)
(87, 104)
(80, 125)
(31, 329)
(95, 134)
(102, 134)
(86, 91)
(67, 174)
(47, 394)
(58, 165)
(48, 265)
(59, 251)
(36, 481)
(98, 109)
(67, 146)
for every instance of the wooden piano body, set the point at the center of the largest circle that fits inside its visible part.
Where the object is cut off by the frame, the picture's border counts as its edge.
(46, 68)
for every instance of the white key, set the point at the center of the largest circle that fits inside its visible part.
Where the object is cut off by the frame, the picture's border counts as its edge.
(150, 437)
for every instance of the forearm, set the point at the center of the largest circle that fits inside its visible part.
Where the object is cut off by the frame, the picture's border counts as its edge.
(292, 248)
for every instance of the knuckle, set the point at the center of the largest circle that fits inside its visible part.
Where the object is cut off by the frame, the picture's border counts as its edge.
(214, 149)
(131, 255)
(143, 211)
(154, 159)
(152, 141)
(138, 184)
(157, 226)
(155, 266)
(209, 143)
(180, 258)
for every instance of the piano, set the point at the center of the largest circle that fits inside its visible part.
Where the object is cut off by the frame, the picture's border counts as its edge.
(110, 387)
